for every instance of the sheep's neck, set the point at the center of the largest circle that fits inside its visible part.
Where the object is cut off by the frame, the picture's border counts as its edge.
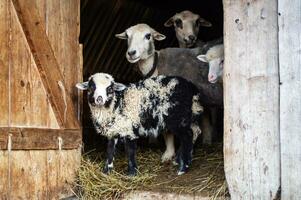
(145, 66)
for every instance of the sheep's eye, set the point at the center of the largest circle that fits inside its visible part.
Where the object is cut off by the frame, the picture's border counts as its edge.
(179, 23)
(126, 35)
(91, 86)
(148, 36)
(110, 90)
(197, 23)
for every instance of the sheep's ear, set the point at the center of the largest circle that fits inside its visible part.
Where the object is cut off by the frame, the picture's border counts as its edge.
(122, 36)
(158, 36)
(119, 86)
(169, 22)
(204, 22)
(82, 86)
(202, 58)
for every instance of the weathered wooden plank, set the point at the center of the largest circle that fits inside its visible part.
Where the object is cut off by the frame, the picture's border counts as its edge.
(63, 28)
(29, 104)
(290, 97)
(4, 63)
(4, 178)
(49, 174)
(251, 89)
(46, 62)
(39, 139)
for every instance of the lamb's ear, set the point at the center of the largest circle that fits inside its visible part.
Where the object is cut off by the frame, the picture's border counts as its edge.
(119, 86)
(122, 36)
(202, 58)
(82, 86)
(158, 36)
(204, 22)
(169, 22)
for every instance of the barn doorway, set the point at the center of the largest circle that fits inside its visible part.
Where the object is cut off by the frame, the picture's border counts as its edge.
(103, 52)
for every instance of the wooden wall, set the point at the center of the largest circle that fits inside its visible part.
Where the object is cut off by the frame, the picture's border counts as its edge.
(289, 22)
(25, 102)
(251, 84)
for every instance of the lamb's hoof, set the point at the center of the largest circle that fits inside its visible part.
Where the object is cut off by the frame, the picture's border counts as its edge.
(132, 172)
(107, 170)
(175, 163)
(183, 170)
(167, 156)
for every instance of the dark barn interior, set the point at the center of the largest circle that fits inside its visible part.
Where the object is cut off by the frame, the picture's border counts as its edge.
(103, 52)
(102, 19)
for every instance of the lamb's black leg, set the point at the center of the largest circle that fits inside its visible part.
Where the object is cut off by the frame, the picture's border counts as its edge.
(110, 155)
(185, 156)
(131, 146)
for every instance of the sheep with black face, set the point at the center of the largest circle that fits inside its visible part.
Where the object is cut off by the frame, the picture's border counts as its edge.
(142, 109)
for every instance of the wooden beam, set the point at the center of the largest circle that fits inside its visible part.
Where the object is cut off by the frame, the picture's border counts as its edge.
(40, 139)
(289, 20)
(251, 99)
(46, 62)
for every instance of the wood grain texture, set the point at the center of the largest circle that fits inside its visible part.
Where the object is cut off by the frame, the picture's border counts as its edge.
(29, 104)
(290, 97)
(46, 62)
(40, 139)
(251, 98)
(4, 178)
(4, 63)
(62, 28)
(46, 174)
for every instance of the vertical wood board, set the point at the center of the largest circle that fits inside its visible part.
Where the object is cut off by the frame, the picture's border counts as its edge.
(4, 63)
(29, 103)
(251, 101)
(290, 97)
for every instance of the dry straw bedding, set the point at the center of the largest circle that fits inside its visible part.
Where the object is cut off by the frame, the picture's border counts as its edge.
(205, 177)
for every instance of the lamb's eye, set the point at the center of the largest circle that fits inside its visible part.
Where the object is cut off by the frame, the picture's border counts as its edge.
(148, 36)
(197, 23)
(179, 23)
(110, 90)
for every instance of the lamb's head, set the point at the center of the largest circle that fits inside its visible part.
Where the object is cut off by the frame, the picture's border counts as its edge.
(215, 58)
(187, 25)
(101, 89)
(140, 41)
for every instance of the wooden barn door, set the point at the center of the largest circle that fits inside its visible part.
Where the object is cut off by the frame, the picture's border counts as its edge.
(40, 62)
(251, 89)
(262, 141)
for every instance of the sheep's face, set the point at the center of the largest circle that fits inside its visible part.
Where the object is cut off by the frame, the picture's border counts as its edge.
(101, 88)
(140, 42)
(187, 25)
(216, 67)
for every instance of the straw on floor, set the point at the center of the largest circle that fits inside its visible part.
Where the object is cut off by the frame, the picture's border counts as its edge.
(205, 177)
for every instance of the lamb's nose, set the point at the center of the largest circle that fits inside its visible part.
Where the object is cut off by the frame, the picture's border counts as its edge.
(99, 99)
(211, 77)
(191, 37)
(131, 53)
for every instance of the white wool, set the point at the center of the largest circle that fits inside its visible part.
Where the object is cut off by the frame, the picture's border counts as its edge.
(196, 131)
(196, 106)
(214, 52)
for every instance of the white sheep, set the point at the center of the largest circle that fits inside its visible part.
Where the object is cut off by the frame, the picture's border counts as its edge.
(215, 58)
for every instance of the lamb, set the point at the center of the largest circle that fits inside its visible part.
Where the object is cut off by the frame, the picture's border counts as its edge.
(143, 109)
(170, 61)
(215, 58)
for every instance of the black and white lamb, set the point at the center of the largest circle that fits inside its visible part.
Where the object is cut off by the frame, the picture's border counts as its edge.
(142, 109)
